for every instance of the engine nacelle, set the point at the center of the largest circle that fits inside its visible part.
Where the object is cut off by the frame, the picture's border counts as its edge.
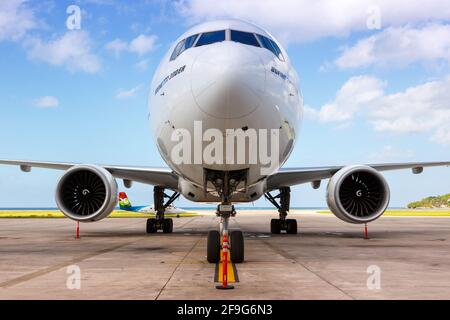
(358, 194)
(86, 193)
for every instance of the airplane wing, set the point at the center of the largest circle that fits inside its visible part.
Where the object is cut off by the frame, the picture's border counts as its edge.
(154, 176)
(287, 177)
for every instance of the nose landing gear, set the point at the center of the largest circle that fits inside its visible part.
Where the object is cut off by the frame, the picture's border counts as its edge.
(214, 240)
(225, 184)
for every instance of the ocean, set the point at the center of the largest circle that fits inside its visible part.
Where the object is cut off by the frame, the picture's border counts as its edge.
(243, 208)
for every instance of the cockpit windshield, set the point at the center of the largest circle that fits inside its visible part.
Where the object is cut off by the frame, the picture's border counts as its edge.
(271, 45)
(243, 37)
(182, 46)
(210, 38)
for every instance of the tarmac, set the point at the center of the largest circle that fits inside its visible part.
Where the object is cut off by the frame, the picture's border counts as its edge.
(404, 258)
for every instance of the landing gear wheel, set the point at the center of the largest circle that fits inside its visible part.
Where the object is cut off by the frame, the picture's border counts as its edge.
(237, 246)
(151, 225)
(213, 247)
(291, 226)
(167, 225)
(275, 226)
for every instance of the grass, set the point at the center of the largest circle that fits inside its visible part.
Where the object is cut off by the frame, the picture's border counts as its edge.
(411, 213)
(57, 214)
(11, 214)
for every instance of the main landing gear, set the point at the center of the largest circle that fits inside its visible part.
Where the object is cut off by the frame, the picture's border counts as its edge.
(225, 183)
(277, 225)
(159, 222)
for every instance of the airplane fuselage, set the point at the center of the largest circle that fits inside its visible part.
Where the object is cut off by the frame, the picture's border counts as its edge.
(222, 86)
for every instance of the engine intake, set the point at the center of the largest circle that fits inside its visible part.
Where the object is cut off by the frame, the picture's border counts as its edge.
(358, 194)
(86, 193)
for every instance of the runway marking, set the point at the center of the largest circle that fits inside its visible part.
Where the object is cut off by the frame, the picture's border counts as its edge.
(61, 265)
(288, 256)
(42, 272)
(232, 271)
(178, 265)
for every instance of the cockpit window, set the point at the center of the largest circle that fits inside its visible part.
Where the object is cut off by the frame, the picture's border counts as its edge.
(211, 37)
(271, 45)
(177, 50)
(244, 37)
(277, 50)
(182, 46)
(190, 41)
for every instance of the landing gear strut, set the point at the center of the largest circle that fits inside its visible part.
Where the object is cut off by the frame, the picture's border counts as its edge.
(225, 185)
(277, 225)
(236, 238)
(159, 222)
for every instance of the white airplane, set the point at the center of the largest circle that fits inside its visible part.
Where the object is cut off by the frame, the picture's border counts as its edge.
(220, 76)
(125, 205)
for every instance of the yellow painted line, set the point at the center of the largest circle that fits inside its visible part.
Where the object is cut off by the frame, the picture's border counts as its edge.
(11, 214)
(410, 213)
(232, 271)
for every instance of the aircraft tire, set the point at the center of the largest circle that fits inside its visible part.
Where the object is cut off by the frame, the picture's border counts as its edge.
(275, 226)
(291, 226)
(167, 226)
(151, 225)
(213, 247)
(237, 246)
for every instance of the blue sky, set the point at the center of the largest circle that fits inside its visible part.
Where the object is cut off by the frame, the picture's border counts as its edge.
(374, 74)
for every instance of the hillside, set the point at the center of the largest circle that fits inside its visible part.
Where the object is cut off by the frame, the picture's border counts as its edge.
(432, 202)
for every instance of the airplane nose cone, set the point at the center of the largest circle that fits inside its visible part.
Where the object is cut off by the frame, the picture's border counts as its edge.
(228, 80)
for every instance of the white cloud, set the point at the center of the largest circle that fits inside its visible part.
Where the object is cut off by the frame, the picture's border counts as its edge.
(142, 65)
(143, 44)
(125, 94)
(16, 19)
(72, 50)
(399, 47)
(389, 154)
(350, 99)
(101, 2)
(140, 45)
(424, 108)
(303, 20)
(47, 102)
(117, 46)
(442, 136)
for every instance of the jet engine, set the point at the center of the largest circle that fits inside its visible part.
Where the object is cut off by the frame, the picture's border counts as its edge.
(358, 194)
(86, 193)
